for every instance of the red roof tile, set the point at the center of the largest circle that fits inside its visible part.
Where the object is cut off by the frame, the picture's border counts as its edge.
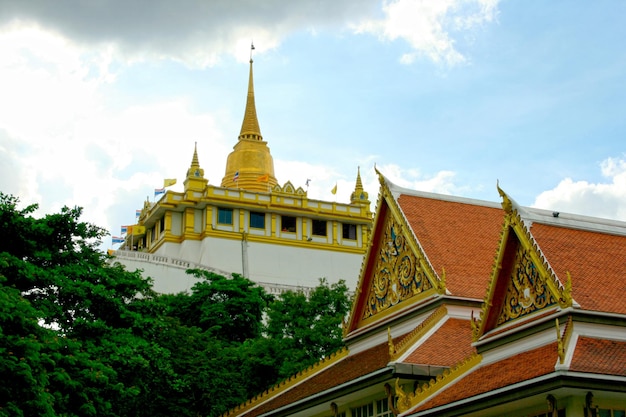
(348, 369)
(449, 345)
(596, 262)
(599, 356)
(521, 367)
(462, 238)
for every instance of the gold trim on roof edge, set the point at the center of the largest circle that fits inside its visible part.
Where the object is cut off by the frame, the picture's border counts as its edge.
(421, 393)
(513, 222)
(395, 215)
(288, 383)
(359, 287)
(436, 281)
(408, 341)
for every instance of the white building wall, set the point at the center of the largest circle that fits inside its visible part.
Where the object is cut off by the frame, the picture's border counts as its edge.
(265, 263)
(300, 266)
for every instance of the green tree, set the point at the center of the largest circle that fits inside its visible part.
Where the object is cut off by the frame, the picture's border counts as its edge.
(229, 309)
(78, 326)
(81, 337)
(307, 328)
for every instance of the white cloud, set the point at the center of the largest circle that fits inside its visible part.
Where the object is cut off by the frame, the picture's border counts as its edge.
(441, 182)
(606, 200)
(61, 145)
(427, 25)
(198, 33)
(194, 32)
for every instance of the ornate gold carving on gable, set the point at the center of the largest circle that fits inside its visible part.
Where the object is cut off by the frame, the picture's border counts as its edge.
(527, 291)
(532, 284)
(397, 275)
(288, 188)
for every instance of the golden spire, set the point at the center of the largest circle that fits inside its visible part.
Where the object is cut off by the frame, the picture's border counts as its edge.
(250, 165)
(359, 196)
(195, 170)
(250, 126)
(195, 175)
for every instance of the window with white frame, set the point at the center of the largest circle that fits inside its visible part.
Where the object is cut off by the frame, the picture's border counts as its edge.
(349, 231)
(379, 408)
(288, 224)
(318, 227)
(366, 410)
(257, 220)
(224, 215)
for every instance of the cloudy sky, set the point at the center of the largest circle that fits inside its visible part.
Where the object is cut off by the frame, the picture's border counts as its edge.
(99, 101)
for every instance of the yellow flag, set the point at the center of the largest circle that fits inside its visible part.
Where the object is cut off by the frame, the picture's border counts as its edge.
(334, 190)
(169, 182)
(139, 230)
(263, 178)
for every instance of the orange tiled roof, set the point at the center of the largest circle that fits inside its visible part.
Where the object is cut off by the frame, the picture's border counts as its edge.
(348, 369)
(599, 356)
(449, 345)
(596, 262)
(497, 375)
(462, 238)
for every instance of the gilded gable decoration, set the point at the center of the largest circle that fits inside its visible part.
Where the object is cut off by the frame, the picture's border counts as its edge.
(397, 268)
(398, 274)
(527, 291)
(289, 188)
(522, 281)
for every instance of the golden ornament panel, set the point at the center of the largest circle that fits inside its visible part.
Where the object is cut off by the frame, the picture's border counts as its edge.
(398, 274)
(527, 290)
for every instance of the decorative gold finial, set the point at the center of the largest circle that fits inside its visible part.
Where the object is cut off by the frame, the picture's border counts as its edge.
(566, 299)
(403, 402)
(507, 205)
(559, 343)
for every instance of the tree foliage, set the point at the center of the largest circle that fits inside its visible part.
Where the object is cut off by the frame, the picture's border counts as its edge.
(308, 327)
(82, 337)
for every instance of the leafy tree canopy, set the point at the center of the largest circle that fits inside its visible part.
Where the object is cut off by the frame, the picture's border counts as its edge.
(82, 337)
